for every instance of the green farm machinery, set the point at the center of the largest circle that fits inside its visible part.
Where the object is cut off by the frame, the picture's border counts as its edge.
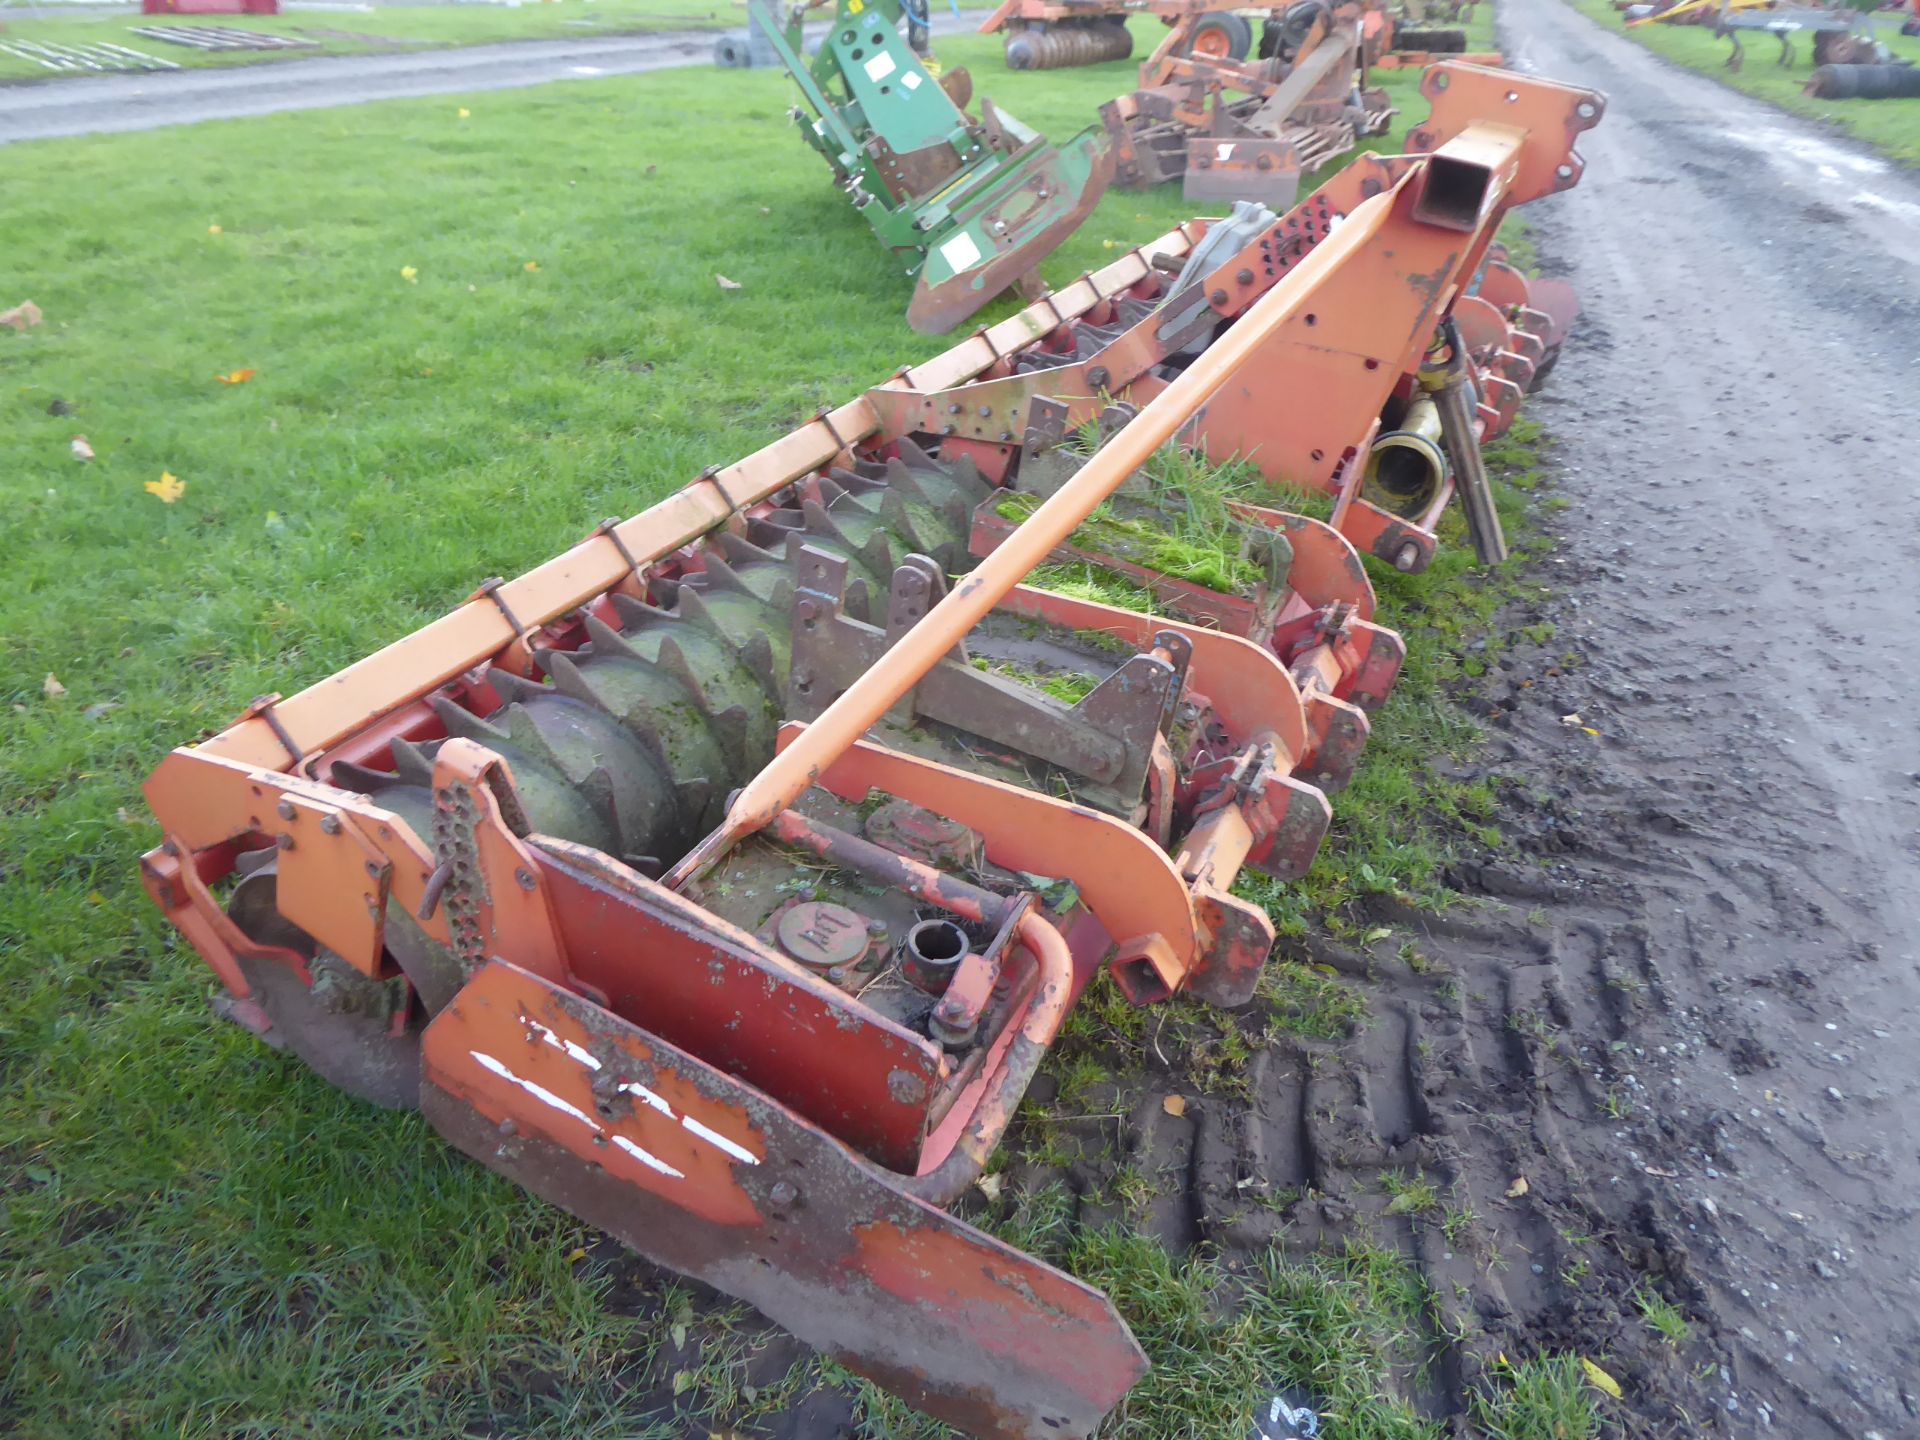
(971, 206)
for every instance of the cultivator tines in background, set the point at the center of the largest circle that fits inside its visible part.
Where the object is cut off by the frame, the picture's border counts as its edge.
(494, 870)
(1249, 130)
(971, 206)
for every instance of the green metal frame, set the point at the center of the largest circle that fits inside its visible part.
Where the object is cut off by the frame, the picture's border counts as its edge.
(973, 205)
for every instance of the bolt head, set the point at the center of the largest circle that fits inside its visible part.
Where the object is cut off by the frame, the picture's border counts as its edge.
(524, 877)
(330, 824)
(284, 810)
(783, 1196)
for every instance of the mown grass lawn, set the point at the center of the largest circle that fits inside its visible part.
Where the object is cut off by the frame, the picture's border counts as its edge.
(472, 337)
(1891, 126)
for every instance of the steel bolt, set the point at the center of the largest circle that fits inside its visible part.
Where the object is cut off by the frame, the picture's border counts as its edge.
(525, 877)
(1245, 277)
(954, 408)
(330, 824)
(285, 842)
(284, 810)
(1219, 297)
(783, 1195)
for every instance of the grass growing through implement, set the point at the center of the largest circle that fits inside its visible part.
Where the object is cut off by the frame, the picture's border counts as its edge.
(471, 340)
(1892, 126)
(1543, 1399)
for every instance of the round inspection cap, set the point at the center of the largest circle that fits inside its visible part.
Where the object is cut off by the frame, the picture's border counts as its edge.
(817, 932)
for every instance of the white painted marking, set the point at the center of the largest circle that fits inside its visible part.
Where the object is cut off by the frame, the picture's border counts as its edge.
(585, 1057)
(1222, 152)
(910, 81)
(539, 1092)
(648, 1159)
(960, 252)
(634, 1087)
(577, 1052)
(714, 1137)
(880, 66)
(586, 70)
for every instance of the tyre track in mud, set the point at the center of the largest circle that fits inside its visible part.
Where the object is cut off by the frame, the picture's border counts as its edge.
(1687, 1010)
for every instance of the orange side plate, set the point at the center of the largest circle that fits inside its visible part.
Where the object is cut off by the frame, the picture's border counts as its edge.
(707, 1177)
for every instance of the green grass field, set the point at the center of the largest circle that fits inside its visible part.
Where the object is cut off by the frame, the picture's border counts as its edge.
(1891, 126)
(472, 336)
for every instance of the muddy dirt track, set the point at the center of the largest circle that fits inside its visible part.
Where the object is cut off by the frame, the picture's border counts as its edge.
(1732, 873)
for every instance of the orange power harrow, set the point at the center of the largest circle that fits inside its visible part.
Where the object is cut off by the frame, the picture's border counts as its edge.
(726, 878)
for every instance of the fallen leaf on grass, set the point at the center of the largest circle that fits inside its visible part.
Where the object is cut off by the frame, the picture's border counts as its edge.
(766, 209)
(1599, 1378)
(1379, 932)
(81, 449)
(679, 1334)
(21, 316)
(465, 113)
(989, 1186)
(169, 487)
(1403, 1202)
(682, 1380)
(1591, 731)
(213, 230)
(1518, 1188)
(53, 688)
(726, 284)
(235, 377)
(532, 267)
(574, 1257)
(410, 274)
(1175, 1105)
